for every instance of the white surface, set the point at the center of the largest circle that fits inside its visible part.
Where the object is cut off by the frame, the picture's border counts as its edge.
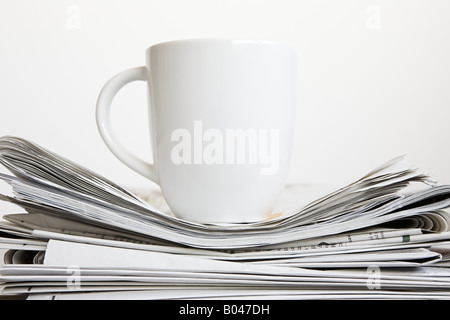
(373, 77)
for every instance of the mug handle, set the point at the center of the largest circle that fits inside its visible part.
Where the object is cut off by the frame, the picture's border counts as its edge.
(105, 98)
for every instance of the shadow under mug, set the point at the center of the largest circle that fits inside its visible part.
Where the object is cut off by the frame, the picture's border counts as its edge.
(221, 119)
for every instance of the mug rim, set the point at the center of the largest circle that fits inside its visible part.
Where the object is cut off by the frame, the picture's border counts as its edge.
(221, 40)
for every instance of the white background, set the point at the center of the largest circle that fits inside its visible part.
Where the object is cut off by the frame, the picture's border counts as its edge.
(373, 76)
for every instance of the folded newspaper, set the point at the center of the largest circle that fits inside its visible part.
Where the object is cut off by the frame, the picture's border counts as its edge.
(385, 235)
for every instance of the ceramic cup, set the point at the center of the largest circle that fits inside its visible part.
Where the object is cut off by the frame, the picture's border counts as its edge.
(221, 119)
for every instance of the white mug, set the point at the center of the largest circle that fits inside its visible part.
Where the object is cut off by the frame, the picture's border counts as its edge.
(221, 118)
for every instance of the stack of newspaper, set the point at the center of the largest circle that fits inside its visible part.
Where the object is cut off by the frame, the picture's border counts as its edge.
(81, 236)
